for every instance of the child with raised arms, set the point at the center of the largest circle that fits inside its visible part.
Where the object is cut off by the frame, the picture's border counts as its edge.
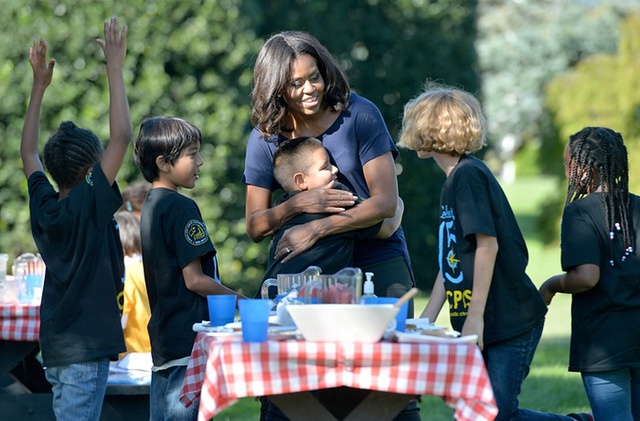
(75, 232)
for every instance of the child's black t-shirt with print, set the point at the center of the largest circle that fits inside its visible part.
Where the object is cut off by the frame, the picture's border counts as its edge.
(472, 202)
(79, 243)
(173, 234)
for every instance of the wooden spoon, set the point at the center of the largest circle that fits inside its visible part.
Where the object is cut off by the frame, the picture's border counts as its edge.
(406, 297)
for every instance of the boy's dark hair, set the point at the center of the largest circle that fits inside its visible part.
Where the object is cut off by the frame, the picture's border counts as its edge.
(70, 152)
(272, 76)
(293, 156)
(598, 162)
(162, 136)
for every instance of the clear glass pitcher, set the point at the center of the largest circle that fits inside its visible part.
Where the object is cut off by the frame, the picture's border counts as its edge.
(287, 281)
(29, 278)
(4, 258)
(343, 287)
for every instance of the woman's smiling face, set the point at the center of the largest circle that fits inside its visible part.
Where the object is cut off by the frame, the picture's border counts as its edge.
(306, 89)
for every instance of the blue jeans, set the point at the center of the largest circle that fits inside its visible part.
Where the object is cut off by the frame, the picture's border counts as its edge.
(508, 365)
(614, 395)
(164, 396)
(78, 389)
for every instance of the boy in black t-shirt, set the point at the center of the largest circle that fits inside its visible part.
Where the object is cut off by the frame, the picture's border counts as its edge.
(301, 164)
(482, 253)
(77, 237)
(179, 258)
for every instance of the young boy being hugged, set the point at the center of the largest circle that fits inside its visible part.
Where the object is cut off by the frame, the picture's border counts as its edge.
(179, 258)
(301, 164)
(76, 235)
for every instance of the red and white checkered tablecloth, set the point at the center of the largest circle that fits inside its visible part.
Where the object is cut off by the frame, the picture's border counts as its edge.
(222, 372)
(19, 322)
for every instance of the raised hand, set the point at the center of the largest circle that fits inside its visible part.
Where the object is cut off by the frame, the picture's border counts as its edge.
(114, 44)
(42, 69)
(42, 75)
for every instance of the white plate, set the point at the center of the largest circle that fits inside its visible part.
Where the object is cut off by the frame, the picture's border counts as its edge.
(420, 323)
(237, 336)
(417, 337)
(423, 326)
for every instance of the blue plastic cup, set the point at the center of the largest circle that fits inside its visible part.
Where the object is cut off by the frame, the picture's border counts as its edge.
(401, 317)
(254, 316)
(222, 309)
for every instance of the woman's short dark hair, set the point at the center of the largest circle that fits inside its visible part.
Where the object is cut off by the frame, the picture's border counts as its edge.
(273, 71)
(162, 136)
(70, 152)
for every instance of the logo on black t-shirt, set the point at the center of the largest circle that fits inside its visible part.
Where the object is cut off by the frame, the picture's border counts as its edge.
(89, 178)
(195, 232)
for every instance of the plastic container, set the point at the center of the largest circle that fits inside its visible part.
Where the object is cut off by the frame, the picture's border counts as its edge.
(29, 278)
(368, 297)
(4, 258)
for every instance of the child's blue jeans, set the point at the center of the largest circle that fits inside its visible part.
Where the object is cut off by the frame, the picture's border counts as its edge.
(78, 389)
(614, 395)
(508, 365)
(164, 396)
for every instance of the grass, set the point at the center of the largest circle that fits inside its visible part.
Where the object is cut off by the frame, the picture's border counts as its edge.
(549, 386)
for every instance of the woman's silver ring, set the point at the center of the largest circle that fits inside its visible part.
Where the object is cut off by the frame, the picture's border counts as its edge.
(287, 249)
(341, 198)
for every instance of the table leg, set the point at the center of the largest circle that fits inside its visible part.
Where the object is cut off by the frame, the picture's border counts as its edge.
(302, 406)
(379, 406)
(12, 352)
(343, 403)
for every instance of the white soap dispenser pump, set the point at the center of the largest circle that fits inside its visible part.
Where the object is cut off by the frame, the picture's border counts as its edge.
(368, 297)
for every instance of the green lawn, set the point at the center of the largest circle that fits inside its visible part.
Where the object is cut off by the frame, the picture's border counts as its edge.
(549, 387)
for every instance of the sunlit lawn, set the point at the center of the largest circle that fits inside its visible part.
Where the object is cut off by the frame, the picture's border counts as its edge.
(549, 387)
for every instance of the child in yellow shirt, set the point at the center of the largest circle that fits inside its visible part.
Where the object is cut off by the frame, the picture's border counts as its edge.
(136, 311)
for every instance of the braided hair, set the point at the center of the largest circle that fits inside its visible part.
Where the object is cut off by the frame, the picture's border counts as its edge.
(70, 152)
(598, 162)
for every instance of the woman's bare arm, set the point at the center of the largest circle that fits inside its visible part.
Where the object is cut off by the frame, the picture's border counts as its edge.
(263, 220)
(383, 186)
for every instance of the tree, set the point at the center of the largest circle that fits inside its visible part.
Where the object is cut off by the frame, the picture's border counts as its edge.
(601, 91)
(184, 58)
(524, 44)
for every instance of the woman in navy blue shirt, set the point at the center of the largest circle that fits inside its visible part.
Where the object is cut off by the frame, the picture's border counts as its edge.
(300, 91)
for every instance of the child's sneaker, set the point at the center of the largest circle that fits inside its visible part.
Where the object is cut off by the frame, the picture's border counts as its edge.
(583, 416)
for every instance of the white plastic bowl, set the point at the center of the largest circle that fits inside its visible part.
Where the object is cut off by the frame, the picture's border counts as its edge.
(342, 322)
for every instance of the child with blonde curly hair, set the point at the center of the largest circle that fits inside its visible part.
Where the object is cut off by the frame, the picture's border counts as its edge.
(482, 253)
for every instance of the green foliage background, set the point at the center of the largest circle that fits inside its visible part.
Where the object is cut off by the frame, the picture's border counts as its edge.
(601, 90)
(194, 59)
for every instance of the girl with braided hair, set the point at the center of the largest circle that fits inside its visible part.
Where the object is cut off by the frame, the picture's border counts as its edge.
(599, 242)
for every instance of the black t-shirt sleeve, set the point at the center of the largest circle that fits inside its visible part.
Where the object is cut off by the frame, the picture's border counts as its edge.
(579, 240)
(473, 205)
(189, 234)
